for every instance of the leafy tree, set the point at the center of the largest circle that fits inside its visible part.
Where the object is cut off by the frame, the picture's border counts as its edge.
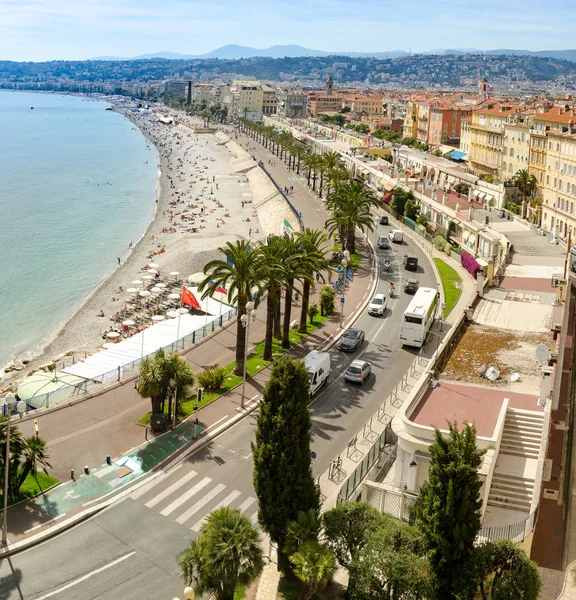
(240, 272)
(345, 110)
(392, 564)
(282, 471)
(347, 529)
(315, 566)
(400, 197)
(225, 555)
(313, 310)
(411, 209)
(165, 377)
(327, 296)
(507, 573)
(448, 511)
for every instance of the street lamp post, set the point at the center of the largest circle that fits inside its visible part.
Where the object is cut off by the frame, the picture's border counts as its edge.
(188, 594)
(246, 319)
(9, 400)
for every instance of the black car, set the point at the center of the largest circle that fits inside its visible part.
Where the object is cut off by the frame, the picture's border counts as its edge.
(383, 220)
(411, 286)
(350, 340)
(410, 262)
(573, 266)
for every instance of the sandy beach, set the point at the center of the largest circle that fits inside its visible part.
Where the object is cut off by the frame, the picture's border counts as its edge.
(205, 198)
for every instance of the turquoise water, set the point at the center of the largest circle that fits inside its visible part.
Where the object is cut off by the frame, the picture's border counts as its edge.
(77, 184)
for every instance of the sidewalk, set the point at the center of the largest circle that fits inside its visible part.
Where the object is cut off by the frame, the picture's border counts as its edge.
(119, 436)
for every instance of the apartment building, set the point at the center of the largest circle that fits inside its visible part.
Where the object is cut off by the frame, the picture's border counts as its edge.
(202, 93)
(445, 122)
(559, 185)
(423, 122)
(364, 104)
(487, 138)
(292, 104)
(269, 100)
(245, 100)
(410, 121)
(516, 149)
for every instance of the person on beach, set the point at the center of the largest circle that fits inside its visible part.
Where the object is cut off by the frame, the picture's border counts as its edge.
(130, 246)
(101, 314)
(119, 261)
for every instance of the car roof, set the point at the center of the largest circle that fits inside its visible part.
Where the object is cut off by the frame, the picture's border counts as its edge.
(412, 281)
(358, 363)
(379, 296)
(411, 256)
(352, 330)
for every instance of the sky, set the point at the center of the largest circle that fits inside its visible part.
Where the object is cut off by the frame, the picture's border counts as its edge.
(40, 30)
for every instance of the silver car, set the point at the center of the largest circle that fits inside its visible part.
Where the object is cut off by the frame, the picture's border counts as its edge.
(358, 371)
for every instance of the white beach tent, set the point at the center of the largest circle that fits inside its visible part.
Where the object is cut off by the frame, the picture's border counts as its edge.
(103, 365)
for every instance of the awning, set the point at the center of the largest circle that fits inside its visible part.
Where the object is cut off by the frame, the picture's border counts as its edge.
(481, 195)
(387, 185)
(476, 193)
(457, 155)
(488, 198)
(481, 261)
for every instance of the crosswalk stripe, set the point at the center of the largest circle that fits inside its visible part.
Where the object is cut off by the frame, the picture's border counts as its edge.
(152, 484)
(226, 502)
(170, 490)
(246, 504)
(254, 518)
(196, 507)
(185, 497)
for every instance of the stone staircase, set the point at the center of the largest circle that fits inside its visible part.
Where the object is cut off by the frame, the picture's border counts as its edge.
(522, 437)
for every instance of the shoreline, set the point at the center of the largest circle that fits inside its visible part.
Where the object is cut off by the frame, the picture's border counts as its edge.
(182, 251)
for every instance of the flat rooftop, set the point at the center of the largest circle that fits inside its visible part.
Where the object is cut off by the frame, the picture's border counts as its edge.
(479, 406)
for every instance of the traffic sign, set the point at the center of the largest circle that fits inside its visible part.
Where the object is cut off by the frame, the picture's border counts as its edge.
(342, 300)
(313, 455)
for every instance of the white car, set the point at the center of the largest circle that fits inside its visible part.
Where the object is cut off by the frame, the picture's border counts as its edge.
(377, 305)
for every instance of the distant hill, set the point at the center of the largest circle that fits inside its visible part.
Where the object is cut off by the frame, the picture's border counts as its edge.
(236, 52)
(561, 54)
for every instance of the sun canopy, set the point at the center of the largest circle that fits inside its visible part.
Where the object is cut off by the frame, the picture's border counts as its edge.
(457, 155)
(104, 365)
(38, 385)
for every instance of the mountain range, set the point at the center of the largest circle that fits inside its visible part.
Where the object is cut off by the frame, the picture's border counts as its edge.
(234, 52)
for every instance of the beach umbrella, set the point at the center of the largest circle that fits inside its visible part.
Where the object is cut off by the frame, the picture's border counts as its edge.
(160, 285)
(158, 318)
(172, 314)
(183, 311)
(152, 271)
(175, 274)
(156, 290)
(107, 345)
(196, 278)
(144, 293)
(148, 277)
(153, 265)
(112, 335)
(128, 322)
(132, 290)
(174, 296)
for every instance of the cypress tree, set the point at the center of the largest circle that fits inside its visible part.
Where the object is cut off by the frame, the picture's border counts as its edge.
(448, 512)
(282, 466)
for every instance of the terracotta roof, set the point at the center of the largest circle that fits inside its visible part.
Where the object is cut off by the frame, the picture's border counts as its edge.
(557, 115)
(500, 111)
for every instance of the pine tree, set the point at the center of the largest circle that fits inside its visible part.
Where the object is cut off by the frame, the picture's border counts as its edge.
(448, 511)
(282, 473)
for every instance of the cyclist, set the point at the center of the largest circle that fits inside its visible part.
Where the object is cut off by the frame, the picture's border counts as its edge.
(391, 288)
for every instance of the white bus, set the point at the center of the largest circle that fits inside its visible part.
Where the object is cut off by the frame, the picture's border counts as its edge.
(418, 317)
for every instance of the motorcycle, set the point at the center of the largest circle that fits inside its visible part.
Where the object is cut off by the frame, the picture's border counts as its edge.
(391, 291)
(387, 265)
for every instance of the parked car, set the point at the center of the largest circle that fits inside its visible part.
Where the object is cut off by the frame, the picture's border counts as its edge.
(573, 266)
(410, 262)
(358, 371)
(411, 286)
(572, 249)
(377, 305)
(384, 220)
(383, 242)
(350, 340)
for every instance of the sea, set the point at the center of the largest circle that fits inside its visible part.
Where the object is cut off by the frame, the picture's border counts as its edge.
(77, 185)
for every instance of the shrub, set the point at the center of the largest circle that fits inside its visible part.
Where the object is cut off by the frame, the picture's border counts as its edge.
(327, 296)
(469, 263)
(439, 242)
(212, 378)
(448, 248)
(312, 311)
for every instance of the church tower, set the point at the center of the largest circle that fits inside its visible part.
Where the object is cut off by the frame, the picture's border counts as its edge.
(329, 86)
(483, 88)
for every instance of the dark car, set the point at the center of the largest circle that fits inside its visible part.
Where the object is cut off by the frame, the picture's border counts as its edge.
(410, 262)
(573, 266)
(411, 286)
(350, 340)
(383, 220)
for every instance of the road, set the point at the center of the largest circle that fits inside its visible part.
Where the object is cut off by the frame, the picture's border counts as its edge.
(129, 550)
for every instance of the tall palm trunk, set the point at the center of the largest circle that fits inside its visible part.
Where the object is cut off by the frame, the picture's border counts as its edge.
(277, 317)
(309, 174)
(351, 240)
(269, 324)
(241, 340)
(314, 182)
(304, 312)
(287, 313)
(298, 167)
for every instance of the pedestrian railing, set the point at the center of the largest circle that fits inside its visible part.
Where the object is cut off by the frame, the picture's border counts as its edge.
(121, 372)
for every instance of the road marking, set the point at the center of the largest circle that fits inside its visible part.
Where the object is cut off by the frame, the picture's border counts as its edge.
(186, 496)
(196, 507)
(152, 484)
(218, 421)
(170, 490)
(226, 502)
(246, 504)
(87, 576)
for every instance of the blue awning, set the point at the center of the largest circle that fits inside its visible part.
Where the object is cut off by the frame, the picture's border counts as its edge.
(457, 155)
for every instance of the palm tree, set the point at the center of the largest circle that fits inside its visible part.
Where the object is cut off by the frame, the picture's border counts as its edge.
(314, 565)
(312, 242)
(306, 528)
(338, 177)
(297, 265)
(351, 204)
(165, 377)
(34, 454)
(226, 555)
(240, 273)
(274, 277)
(332, 161)
(526, 183)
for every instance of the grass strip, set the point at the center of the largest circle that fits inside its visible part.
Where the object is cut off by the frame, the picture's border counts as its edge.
(450, 280)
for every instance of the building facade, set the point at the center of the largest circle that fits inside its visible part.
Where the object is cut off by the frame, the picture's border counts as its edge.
(516, 149)
(245, 100)
(292, 104)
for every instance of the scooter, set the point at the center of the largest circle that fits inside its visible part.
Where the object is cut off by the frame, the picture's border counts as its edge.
(391, 291)
(387, 265)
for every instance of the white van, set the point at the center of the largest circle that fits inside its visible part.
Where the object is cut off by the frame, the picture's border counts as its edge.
(318, 367)
(396, 236)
